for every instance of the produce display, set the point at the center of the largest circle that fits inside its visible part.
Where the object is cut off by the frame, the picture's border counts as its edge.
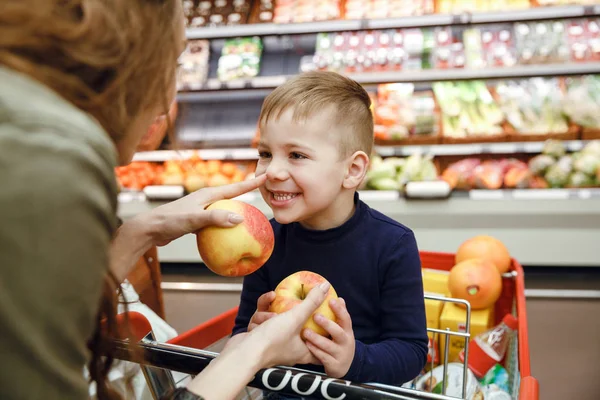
(533, 106)
(240, 58)
(238, 250)
(582, 100)
(400, 113)
(193, 173)
(559, 169)
(393, 173)
(468, 109)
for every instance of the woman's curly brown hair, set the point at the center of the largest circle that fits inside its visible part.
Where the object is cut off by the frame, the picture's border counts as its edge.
(111, 58)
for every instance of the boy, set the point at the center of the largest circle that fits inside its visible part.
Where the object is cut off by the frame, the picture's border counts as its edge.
(316, 134)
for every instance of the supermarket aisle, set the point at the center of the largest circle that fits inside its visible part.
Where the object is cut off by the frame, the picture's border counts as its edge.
(563, 334)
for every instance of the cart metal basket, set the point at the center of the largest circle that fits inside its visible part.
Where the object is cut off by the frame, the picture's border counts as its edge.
(189, 353)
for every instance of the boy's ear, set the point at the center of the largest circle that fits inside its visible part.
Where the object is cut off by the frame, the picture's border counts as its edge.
(358, 165)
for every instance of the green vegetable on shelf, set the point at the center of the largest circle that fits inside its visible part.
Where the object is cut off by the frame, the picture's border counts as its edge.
(554, 148)
(468, 109)
(587, 163)
(539, 164)
(580, 179)
(557, 176)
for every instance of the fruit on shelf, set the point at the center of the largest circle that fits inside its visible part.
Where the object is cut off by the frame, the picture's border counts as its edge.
(393, 173)
(239, 250)
(486, 248)
(477, 281)
(138, 175)
(539, 164)
(293, 290)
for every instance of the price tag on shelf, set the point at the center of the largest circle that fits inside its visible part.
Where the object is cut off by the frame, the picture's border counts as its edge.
(540, 194)
(214, 84)
(267, 81)
(214, 154)
(379, 195)
(130, 197)
(533, 147)
(236, 84)
(584, 194)
(502, 148)
(486, 194)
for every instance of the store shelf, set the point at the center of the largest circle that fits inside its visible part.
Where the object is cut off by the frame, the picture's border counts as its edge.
(475, 148)
(411, 76)
(540, 227)
(534, 14)
(205, 154)
(384, 151)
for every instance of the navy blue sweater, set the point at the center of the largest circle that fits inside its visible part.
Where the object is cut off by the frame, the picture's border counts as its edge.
(372, 262)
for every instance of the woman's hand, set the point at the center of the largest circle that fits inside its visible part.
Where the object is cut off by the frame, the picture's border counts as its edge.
(188, 214)
(280, 336)
(274, 342)
(171, 221)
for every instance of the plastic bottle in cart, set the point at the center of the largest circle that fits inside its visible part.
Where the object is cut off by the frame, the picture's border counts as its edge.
(488, 348)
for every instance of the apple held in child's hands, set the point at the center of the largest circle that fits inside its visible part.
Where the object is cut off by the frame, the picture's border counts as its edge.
(239, 250)
(293, 290)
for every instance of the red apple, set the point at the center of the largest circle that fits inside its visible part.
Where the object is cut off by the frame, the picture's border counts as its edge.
(239, 250)
(293, 290)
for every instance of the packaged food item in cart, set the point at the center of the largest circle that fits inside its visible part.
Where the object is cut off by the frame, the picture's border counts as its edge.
(496, 378)
(240, 58)
(433, 382)
(489, 347)
(454, 318)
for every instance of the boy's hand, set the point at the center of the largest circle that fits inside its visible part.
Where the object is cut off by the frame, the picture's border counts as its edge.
(262, 313)
(336, 354)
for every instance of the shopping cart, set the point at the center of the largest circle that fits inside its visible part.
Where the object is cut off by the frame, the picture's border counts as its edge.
(189, 353)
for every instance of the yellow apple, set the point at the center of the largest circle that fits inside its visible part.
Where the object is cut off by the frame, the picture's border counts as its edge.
(239, 250)
(293, 290)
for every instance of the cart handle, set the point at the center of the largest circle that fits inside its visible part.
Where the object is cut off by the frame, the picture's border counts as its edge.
(530, 389)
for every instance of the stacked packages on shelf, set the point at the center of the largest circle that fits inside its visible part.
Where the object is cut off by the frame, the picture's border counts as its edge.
(216, 13)
(486, 46)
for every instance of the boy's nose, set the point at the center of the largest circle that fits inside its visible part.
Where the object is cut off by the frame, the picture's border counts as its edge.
(276, 171)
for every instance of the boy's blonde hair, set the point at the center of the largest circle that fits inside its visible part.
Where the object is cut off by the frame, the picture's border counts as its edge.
(311, 92)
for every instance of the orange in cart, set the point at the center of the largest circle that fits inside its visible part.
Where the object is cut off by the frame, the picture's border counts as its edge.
(486, 247)
(477, 281)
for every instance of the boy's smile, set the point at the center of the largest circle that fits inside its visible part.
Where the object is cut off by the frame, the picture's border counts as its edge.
(304, 172)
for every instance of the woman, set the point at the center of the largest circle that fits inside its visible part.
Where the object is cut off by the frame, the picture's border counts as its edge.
(80, 83)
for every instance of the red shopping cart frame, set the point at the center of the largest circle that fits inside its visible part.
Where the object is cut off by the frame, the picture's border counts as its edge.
(513, 291)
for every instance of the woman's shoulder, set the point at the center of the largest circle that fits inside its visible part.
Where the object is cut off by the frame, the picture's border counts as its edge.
(34, 119)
